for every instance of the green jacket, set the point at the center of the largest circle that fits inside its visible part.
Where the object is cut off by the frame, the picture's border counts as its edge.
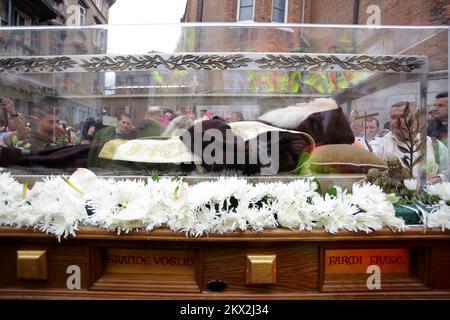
(149, 129)
(100, 138)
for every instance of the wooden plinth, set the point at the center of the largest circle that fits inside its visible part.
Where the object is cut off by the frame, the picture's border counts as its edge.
(99, 264)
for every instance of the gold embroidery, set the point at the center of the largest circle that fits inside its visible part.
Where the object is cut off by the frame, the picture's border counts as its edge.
(152, 151)
(109, 149)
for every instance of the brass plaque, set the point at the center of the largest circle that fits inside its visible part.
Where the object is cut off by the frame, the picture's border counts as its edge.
(152, 262)
(346, 261)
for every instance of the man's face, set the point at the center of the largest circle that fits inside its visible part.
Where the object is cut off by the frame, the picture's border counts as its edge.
(154, 113)
(124, 125)
(371, 129)
(48, 123)
(357, 128)
(397, 113)
(441, 110)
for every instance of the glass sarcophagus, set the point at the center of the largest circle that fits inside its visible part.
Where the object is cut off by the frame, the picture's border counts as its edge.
(294, 140)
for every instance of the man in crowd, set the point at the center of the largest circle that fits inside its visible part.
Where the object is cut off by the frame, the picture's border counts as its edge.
(438, 124)
(47, 130)
(235, 116)
(368, 131)
(151, 126)
(391, 144)
(124, 131)
(372, 128)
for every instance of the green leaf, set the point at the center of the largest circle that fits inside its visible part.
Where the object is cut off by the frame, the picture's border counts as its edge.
(319, 188)
(302, 161)
(391, 197)
(332, 192)
(294, 86)
(155, 176)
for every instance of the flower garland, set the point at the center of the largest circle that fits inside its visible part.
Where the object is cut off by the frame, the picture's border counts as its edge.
(57, 205)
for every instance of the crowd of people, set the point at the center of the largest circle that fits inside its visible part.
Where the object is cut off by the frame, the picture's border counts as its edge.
(48, 129)
(390, 140)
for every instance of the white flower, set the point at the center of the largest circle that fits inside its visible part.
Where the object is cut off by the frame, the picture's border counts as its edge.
(10, 197)
(261, 218)
(411, 184)
(54, 207)
(376, 210)
(124, 205)
(439, 217)
(442, 190)
(85, 180)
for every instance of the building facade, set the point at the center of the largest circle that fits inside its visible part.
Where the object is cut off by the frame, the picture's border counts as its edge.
(350, 12)
(55, 42)
(393, 12)
(54, 12)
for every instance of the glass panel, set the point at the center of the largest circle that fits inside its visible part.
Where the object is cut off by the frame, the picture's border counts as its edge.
(102, 98)
(246, 13)
(246, 3)
(277, 15)
(279, 4)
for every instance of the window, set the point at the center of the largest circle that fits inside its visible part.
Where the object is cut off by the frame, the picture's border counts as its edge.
(98, 4)
(22, 38)
(279, 10)
(57, 47)
(99, 39)
(245, 10)
(81, 15)
(21, 19)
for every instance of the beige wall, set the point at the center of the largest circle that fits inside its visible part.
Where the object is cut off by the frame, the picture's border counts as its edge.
(93, 11)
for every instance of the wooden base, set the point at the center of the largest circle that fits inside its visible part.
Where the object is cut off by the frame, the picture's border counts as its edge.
(99, 264)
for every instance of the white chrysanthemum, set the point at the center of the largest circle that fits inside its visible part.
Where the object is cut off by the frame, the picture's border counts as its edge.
(335, 213)
(181, 220)
(442, 190)
(440, 217)
(231, 187)
(367, 222)
(294, 214)
(10, 197)
(123, 205)
(54, 207)
(345, 215)
(367, 196)
(258, 219)
(377, 211)
(135, 214)
(228, 222)
(203, 193)
(292, 204)
(259, 191)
